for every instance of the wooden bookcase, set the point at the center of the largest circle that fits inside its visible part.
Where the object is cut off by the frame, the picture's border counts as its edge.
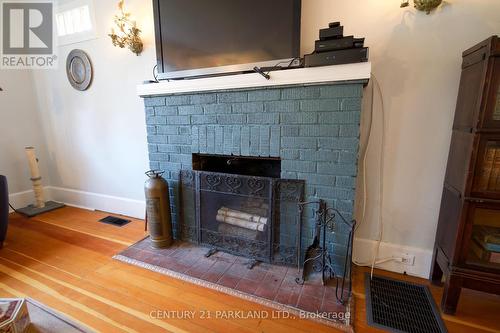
(470, 205)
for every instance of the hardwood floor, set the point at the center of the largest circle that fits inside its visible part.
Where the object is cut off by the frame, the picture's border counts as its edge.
(63, 259)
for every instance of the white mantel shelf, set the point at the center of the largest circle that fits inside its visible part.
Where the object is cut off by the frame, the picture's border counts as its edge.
(311, 75)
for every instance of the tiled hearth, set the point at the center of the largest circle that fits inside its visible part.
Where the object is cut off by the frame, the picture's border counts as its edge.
(267, 284)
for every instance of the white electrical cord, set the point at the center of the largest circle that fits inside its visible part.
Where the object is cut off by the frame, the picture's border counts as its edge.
(375, 261)
(381, 186)
(365, 154)
(379, 261)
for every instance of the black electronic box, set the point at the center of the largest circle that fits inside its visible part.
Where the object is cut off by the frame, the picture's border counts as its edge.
(332, 48)
(346, 42)
(337, 57)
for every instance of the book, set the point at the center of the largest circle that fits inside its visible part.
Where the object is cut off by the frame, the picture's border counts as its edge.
(486, 169)
(495, 171)
(495, 182)
(488, 237)
(483, 254)
(14, 315)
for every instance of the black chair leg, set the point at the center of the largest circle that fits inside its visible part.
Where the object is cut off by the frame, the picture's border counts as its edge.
(4, 209)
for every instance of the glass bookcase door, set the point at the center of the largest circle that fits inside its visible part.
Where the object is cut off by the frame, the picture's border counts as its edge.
(487, 178)
(483, 245)
(496, 110)
(492, 112)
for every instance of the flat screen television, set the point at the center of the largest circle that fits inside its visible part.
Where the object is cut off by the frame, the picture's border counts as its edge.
(204, 37)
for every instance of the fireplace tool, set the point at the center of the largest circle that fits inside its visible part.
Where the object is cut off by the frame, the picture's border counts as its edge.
(317, 254)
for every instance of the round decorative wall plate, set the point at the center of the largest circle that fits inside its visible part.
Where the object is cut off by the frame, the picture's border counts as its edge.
(79, 69)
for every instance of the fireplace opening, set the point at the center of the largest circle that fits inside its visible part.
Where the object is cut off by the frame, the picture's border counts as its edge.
(236, 214)
(241, 205)
(238, 165)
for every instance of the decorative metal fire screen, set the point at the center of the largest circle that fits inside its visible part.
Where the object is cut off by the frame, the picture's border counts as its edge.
(255, 217)
(287, 235)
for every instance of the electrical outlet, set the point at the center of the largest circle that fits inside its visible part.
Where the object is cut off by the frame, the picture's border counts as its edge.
(407, 259)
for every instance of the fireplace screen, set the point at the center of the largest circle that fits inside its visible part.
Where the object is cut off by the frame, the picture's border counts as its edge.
(255, 217)
(235, 214)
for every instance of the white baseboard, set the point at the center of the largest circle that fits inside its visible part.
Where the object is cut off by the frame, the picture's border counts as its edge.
(363, 253)
(97, 201)
(21, 199)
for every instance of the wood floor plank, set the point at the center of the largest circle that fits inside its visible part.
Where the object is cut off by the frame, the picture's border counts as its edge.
(53, 300)
(105, 298)
(203, 297)
(63, 259)
(87, 295)
(75, 258)
(199, 294)
(86, 222)
(102, 246)
(178, 296)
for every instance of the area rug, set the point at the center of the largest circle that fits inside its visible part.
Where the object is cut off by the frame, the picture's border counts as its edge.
(270, 285)
(46, 320)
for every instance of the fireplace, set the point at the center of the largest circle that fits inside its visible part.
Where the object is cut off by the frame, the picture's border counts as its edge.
(240, 153)
(241, 206)
(307, 133)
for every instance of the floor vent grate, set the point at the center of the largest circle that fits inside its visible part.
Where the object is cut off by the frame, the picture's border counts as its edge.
(114, 221)
(398, 306)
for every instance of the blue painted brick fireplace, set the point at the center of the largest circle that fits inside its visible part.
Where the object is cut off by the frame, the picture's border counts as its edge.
(313, 129)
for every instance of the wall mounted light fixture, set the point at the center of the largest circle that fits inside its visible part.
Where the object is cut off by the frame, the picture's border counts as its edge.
(128, 34)
(423, 5)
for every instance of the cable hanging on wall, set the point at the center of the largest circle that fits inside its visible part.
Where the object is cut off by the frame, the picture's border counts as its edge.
(375, 260)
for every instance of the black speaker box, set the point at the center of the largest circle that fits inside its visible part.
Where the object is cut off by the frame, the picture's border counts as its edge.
(336, 57)
(346, 42)
(334, 32)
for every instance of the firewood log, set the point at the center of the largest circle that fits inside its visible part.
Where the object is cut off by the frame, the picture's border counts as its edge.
(241, 215)
(233, 230)
(241, 223)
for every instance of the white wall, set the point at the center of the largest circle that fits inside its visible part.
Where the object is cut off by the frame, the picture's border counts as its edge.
(416, 58)
(19, 127)
(97, 140)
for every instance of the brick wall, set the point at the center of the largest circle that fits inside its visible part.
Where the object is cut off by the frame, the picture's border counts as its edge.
(313, 129)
